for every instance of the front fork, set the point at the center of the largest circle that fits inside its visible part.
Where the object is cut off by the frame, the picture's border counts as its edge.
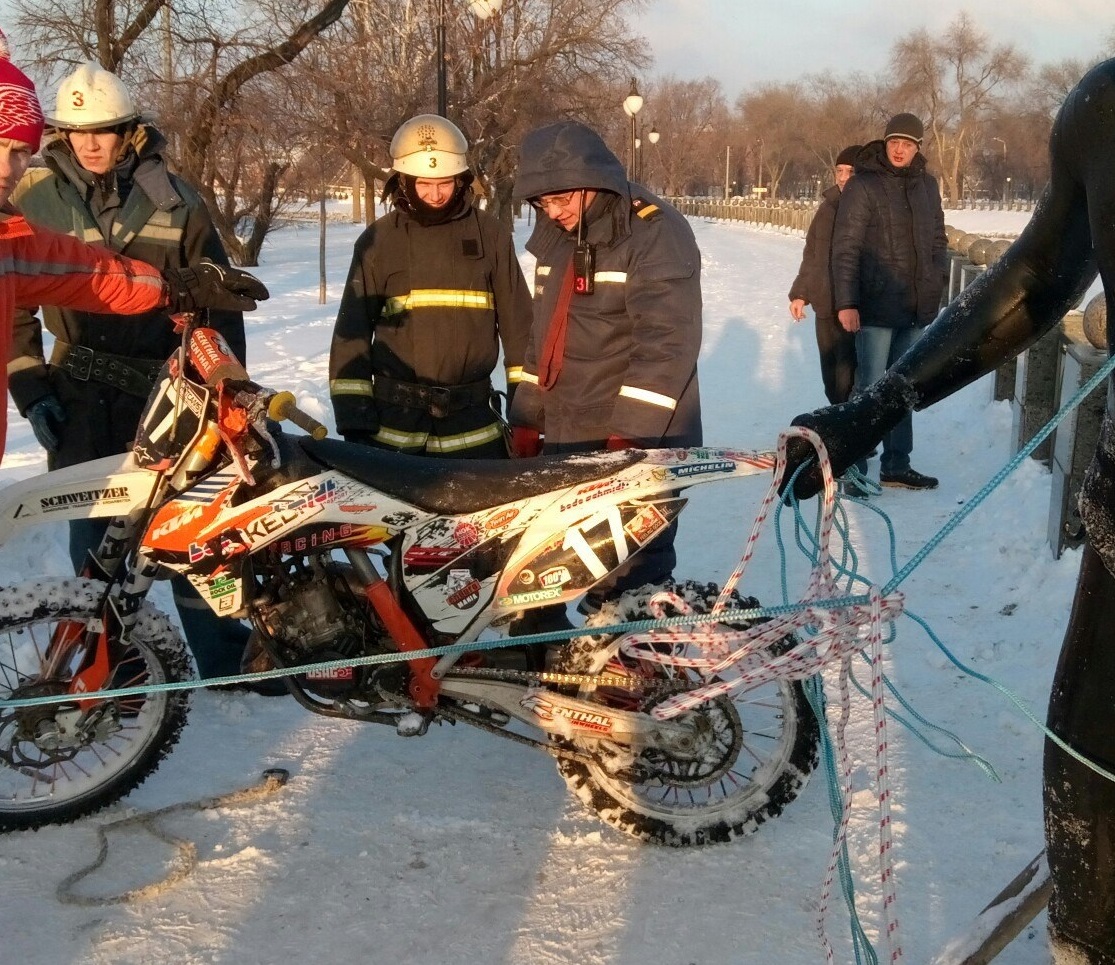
(102, 637)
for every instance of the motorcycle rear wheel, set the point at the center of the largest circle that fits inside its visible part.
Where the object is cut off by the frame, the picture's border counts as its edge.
(52, 771)
(758, 746)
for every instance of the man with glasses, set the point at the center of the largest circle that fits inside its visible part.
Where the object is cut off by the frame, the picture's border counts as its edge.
(612, 361)
(434, 289)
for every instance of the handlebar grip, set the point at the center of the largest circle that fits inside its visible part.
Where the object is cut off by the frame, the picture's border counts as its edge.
(282, 406)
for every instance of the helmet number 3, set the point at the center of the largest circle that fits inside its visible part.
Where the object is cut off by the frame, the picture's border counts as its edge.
(77, 98)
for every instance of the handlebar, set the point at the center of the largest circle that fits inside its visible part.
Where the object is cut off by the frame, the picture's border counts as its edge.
(282, 407)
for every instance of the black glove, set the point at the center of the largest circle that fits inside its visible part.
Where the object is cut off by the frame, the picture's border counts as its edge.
(209, 285)
(46, 416)
(849, 431)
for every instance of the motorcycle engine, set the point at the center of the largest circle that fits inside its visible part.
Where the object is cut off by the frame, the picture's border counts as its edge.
(316, 613)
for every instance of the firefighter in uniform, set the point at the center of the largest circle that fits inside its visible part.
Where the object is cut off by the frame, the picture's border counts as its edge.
(612, 361)
(434, 289)
(109, 185)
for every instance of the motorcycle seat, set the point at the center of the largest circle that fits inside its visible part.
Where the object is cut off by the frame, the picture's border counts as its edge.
(455, 487)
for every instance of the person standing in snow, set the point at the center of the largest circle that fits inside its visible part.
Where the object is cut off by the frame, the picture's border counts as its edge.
(1022, 296)
(434, 289)
(109, 183)
(813, 286)
(612, 361)
(889, 264)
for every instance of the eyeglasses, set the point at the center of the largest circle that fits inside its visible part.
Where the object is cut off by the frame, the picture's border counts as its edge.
(562, 200)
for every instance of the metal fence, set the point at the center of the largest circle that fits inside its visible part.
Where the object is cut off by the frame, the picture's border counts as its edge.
(794, 216)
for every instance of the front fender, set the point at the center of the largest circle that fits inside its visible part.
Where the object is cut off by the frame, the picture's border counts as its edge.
(112, 486)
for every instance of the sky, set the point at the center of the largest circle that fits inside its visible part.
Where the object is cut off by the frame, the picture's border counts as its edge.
(457, 847)
(741, 43)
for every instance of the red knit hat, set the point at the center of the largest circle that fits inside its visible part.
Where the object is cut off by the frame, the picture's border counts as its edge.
(21, 116)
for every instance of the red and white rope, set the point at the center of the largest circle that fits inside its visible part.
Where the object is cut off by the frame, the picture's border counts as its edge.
(735, 658)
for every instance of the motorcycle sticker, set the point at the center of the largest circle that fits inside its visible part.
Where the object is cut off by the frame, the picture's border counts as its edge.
(464, 589)
(702, 468)
(646, 523)
(501, 519)
(341, 534)
(85, 497)
(586, 552)
(546, 709)
(555, 576)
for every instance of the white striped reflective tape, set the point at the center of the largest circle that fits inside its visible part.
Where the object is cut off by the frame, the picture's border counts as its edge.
(652, 398)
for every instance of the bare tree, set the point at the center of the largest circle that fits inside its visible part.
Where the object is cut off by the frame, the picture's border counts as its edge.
(197, 61)
(953, 82)
(692, 121)
(534, 61)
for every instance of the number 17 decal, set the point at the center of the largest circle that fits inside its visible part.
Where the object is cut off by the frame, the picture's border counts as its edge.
(575, 540)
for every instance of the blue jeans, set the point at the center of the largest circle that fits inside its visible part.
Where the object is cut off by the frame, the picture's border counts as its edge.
(877, 349)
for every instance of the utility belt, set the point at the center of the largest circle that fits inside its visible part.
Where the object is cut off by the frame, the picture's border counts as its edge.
(438, 400)
(132, 375)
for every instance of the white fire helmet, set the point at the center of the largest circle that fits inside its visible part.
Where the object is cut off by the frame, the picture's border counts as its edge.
(92, 97)
(429, 146)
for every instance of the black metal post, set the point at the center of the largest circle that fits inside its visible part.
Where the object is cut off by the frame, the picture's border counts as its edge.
(442, 85)
(631, 169)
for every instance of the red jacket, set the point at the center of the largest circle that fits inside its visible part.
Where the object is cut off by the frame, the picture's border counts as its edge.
(42, 267)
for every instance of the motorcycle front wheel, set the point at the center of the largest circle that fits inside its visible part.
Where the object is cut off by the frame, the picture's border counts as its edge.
(61, 761)
(752, 753)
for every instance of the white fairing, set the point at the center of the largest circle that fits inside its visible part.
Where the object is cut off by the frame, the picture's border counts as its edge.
(112, 486)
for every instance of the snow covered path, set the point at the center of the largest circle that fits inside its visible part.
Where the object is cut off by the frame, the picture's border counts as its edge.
(457, 848)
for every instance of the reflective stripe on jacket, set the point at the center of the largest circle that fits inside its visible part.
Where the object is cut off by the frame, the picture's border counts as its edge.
(428, 304)
(630, 362)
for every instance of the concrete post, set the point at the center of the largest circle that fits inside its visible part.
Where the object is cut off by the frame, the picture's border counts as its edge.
(1073, 443)
(1035, 390)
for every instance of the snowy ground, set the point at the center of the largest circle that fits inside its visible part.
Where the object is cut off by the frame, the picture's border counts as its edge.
(457, 848)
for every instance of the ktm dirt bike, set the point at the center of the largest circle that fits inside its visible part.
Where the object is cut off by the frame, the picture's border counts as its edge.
(337, 552)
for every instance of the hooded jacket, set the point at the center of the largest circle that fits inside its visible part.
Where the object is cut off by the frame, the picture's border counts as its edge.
(889, 252)
(629, 367)
(143, 211)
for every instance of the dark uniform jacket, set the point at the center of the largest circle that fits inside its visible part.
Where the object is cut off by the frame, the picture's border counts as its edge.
(428, 305)
(141, 210)
(889, 253)
(630, 361)
(813, 284)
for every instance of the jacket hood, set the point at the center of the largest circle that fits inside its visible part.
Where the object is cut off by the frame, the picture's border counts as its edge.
(873, 157)
(565, 156)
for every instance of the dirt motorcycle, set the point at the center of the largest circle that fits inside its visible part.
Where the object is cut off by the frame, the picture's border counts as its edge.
(339, 552)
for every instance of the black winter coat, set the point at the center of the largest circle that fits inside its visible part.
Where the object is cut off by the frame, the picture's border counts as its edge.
(428, 304)
(630, 360)
(889, 252)
(151, 215)
(813, 283)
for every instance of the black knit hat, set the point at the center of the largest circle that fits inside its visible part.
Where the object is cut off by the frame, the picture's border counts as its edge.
(905, 125)
(848, 155)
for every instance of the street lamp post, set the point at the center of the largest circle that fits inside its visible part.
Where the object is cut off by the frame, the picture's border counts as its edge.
(482, 10)
(1006, 183)
(632, 104)
(653, 135)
